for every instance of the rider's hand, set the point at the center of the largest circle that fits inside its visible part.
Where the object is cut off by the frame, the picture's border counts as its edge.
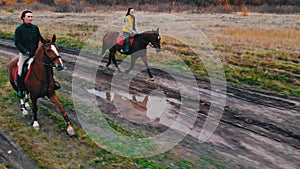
(29, 54)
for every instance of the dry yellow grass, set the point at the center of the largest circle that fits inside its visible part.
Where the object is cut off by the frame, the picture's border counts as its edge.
(288, 38)
(258, 41)
(245, 11)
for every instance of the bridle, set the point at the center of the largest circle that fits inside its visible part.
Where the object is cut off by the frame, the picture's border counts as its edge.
(48, 63)
(148, 40)
(47, 57)
(156, 44)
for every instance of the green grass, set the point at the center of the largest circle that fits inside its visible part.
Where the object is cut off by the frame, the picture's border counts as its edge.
(6, 34)
(207, 163)
(70, 43)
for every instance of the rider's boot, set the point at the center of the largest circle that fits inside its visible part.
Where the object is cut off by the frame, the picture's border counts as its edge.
(20, 83)
(56, 86)
(126, 45)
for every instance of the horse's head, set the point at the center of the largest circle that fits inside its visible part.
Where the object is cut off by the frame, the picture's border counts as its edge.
(50, 52)
(155, 39)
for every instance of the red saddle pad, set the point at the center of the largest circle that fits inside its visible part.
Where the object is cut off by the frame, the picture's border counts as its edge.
(121, 39)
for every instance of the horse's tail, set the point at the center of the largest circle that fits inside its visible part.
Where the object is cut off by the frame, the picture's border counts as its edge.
(104, 45)
(11, 66)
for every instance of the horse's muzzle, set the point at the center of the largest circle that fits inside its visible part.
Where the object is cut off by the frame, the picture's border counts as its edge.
(158, 49)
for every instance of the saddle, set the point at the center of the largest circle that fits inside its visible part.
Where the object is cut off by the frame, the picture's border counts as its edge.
(26, 70)
(121, 39)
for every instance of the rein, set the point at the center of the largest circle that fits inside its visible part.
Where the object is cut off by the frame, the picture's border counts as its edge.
(147, 41)
(48, 65)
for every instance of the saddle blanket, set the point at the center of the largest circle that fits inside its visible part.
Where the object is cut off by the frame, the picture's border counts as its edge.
(121, 39)
(26, 69)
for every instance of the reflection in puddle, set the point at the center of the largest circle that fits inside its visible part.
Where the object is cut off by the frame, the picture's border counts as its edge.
(138, 108)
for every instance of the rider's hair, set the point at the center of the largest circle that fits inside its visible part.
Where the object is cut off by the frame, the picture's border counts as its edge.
(128, 11)
(24, 12)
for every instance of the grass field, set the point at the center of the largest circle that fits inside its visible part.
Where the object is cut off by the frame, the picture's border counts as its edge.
(259, 51)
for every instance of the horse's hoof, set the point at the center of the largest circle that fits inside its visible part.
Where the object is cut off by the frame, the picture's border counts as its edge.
(24, 112)
(70, 131)
(152, 79)
(36, 125)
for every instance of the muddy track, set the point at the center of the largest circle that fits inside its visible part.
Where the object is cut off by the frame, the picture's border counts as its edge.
(258, 129)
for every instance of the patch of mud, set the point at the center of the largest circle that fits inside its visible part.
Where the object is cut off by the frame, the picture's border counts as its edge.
(13, 156)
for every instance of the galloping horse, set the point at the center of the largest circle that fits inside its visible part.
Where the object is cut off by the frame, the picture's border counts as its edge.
(137, 48)
(39, 80)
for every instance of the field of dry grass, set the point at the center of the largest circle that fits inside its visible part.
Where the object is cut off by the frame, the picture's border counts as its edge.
(257, 50)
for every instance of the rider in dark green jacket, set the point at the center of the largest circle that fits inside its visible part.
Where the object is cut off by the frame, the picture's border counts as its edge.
(27, 37)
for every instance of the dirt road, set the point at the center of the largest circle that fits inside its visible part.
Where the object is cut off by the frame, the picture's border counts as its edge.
(257, 130)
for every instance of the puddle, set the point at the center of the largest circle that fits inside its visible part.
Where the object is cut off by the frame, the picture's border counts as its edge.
(141, 108)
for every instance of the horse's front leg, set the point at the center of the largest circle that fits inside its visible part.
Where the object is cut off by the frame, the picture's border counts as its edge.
(133, 60)
(55, 100)
(112, 57)
(26, 99)
(145, 60)
(23, 107)
(35, 123)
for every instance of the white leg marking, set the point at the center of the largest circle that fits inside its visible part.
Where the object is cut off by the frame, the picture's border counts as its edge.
(23, 109)
(27, 106)
(70, 131)
(36, 125)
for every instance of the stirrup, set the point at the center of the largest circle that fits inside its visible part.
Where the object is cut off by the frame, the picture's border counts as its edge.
(56, 86)
(124, 52)
(20, 93)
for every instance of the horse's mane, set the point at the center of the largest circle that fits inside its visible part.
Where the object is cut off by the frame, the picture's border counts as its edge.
(47, 40)
(145, 32)
(150, 31)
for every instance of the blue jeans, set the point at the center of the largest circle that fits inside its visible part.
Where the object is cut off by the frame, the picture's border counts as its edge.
(127, 41)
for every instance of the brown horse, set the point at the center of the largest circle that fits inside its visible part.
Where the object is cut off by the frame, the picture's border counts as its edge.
(39, 80)
(137, 49)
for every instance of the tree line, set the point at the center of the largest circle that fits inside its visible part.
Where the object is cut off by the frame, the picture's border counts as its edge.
(198, 3)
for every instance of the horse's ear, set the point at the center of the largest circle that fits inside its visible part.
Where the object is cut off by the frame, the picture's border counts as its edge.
(53, 38)
(157, 30)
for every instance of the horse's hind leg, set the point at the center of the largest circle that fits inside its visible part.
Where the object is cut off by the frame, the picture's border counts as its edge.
(109, 60)
(55, 100)
(115, 62)
(112, 57)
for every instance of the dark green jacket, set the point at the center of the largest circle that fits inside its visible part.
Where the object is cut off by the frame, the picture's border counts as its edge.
(27, 38)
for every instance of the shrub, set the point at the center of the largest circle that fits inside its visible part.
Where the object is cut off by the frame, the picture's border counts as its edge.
(245, 11)
(63, 7)
(11, 9)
